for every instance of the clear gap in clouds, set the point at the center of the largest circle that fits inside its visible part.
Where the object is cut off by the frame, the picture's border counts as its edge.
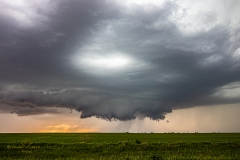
(222, 118)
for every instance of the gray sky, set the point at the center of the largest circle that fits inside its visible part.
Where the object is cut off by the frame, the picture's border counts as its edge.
(118, 59)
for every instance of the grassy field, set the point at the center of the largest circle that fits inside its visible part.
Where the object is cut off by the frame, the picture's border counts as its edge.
(113, 146)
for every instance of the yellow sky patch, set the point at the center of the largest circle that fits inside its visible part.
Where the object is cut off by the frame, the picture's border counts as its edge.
(67, 128)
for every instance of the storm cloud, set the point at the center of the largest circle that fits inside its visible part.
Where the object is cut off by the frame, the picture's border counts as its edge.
(118, 59)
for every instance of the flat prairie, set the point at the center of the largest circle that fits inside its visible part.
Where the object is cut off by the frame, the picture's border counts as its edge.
(154, 146)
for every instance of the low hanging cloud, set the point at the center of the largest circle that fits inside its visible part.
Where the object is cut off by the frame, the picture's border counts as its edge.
(118, 60)
(101, 105)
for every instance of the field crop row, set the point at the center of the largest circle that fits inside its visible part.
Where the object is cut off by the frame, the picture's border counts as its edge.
(121, 150)
(122, 146)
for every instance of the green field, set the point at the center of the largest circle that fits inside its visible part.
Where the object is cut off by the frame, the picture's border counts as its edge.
(113, 146)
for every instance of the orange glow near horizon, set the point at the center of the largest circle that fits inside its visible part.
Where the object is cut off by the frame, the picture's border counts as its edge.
(67, 128)
(200, 119)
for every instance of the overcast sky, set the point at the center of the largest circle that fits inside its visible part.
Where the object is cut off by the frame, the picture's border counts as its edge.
(119, 59)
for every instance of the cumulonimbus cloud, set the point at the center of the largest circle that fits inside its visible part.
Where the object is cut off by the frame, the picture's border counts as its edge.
(48, 61)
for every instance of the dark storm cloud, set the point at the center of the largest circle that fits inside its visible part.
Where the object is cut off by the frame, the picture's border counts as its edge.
(97, 104)
(170, 68)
